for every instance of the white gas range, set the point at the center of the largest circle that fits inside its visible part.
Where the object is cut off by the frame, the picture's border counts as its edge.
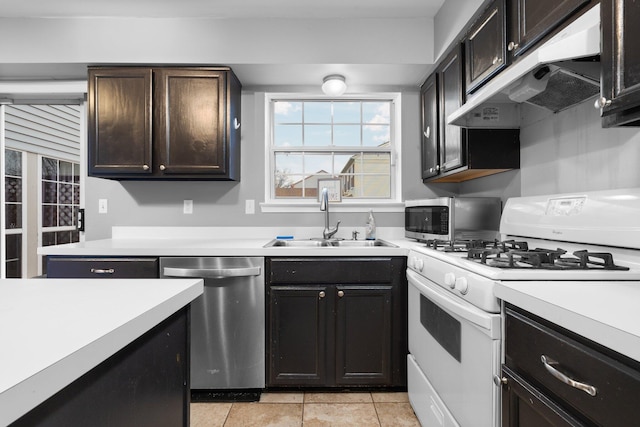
(454, 316)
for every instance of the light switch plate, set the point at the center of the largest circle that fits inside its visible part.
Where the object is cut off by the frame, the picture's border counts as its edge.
(188, 207)
(102, 206)
(250, 207)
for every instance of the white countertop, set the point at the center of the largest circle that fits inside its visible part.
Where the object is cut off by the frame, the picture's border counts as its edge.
(605, 312)
(54, 330)
(222, 241)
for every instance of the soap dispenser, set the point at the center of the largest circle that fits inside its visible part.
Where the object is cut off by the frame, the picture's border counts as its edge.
(370, 232)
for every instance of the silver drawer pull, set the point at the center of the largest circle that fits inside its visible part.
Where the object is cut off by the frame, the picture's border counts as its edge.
(103, 270)
(547, 362)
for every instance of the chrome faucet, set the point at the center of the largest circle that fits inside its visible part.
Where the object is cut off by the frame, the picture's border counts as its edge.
(328, 232)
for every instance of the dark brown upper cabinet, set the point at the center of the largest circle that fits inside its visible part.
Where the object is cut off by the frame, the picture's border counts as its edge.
(620, 59)
(531, 20)
(451, 153)
(452, 139)
(485, 46)
(429, 129)
(120, 121)
(164, 123)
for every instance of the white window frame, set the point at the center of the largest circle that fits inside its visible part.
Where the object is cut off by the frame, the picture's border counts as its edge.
(42, 229)
(392, 204)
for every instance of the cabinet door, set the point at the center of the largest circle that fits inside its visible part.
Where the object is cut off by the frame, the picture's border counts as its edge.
(363, 335)
(452, 138)
(120, 121)
(533, 19)
(525, 406)
(429, 131)
(485, 46)
(620, 55)
(298, 335)
(190, 107)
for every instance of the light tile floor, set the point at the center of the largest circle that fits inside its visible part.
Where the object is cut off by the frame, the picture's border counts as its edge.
(310, 410)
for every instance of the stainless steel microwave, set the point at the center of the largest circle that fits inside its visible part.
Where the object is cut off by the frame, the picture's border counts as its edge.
(452, 218)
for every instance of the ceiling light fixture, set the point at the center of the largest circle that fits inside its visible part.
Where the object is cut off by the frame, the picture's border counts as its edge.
(334, 85)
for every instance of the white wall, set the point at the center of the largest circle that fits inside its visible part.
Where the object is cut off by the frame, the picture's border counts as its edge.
(570, 151)
(143, 203)
(216, 41)
(449, 20)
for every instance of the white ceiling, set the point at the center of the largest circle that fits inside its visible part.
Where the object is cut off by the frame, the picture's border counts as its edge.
(222, 8)
(251, 74)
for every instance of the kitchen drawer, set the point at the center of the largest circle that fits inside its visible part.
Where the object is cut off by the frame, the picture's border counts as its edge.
(331, 270)
(616, 384)
(102, 268)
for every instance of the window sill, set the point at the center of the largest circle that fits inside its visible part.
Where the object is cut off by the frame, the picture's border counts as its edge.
(297, 207)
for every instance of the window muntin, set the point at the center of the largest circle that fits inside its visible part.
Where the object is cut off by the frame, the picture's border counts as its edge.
(316, 139)
(60, 181)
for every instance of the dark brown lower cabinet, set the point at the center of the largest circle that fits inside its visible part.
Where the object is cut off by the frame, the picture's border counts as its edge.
(83, 267)
(144, 384)
(349, 331)
(554, 377)
(523, 405)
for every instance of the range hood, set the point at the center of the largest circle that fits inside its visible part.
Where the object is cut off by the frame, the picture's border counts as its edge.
(562, 72)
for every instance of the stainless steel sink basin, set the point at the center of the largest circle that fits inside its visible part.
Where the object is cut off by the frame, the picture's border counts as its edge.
(332, 243)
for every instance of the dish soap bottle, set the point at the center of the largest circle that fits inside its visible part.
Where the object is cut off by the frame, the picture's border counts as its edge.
(370, 233)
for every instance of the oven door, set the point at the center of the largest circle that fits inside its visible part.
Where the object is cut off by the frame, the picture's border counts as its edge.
(457, 348)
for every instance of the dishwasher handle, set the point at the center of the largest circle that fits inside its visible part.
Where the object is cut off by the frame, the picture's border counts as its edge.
(211, 273)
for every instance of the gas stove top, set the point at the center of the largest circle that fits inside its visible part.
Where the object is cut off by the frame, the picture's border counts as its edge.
(581, 236)
(517, 254)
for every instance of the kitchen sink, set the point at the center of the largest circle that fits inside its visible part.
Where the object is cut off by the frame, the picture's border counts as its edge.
(331, 243)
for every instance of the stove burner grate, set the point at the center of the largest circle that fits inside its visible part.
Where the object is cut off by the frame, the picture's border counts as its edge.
(545, 259)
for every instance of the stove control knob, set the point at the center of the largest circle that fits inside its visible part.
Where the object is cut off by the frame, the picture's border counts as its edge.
(417, 263)
(450, 280)
(462, 285)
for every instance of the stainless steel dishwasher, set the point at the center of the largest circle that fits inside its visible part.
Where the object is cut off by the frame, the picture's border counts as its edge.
(227, 322)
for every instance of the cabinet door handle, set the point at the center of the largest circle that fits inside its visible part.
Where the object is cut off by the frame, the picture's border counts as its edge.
(102, 270)
(321, 294)
(500, 381)
(145, 167)
(548, 362)
(602, 102)
(162, 167)
(427, 132)
(236, 123)
(512, 46)
(340, 294)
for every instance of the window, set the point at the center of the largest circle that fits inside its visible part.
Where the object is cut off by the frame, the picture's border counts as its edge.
(13, 185)
(60, 182)
(351, 139)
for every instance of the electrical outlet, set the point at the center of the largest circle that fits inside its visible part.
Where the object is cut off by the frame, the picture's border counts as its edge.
(102, 206)
(187, 207)
(250, 207)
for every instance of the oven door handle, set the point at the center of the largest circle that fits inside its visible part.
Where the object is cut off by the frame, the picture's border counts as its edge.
(490, 322)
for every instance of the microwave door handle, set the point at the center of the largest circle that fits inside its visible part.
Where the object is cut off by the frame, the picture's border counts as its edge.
(487, 321)
(211, 273)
